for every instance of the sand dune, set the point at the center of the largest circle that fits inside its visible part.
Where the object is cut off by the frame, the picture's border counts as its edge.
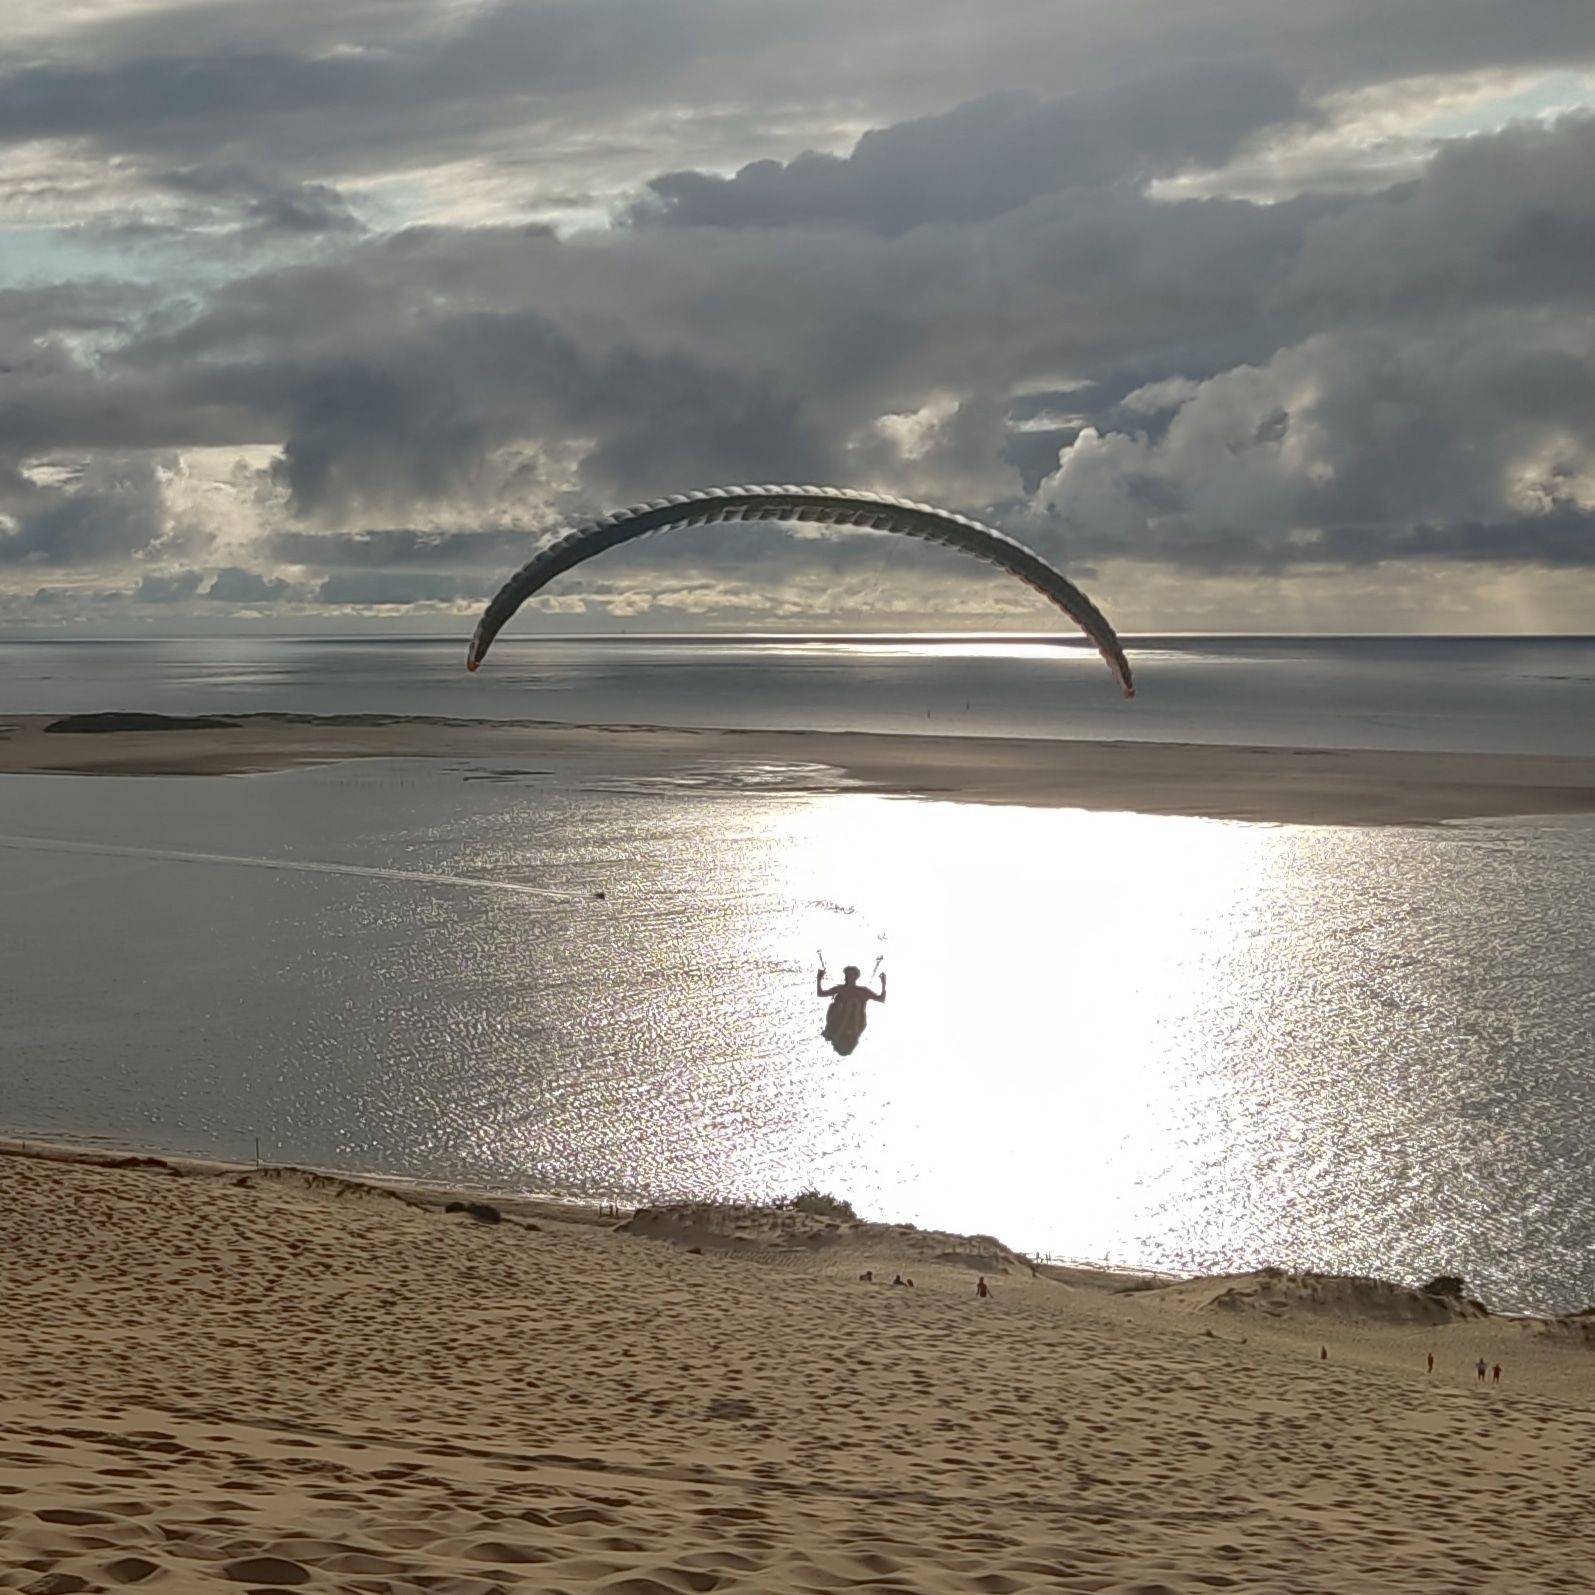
(1308, 786)
(1276, 1293)
(211, 1379)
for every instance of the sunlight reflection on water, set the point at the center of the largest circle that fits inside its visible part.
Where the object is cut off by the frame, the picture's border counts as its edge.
(1147, 1040)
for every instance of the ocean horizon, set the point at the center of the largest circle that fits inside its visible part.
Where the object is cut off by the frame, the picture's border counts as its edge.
(1461, 694)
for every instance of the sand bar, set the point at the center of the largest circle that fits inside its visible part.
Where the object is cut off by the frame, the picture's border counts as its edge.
(214, 1378)
(1295, 785)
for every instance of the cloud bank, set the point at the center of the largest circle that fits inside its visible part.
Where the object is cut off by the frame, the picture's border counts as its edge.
(318, 314)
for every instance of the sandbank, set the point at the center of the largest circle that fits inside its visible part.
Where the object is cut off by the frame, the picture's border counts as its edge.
(1310, 786)
(213, 1377)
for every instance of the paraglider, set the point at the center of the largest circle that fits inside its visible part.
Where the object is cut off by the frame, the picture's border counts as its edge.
(846, 1017)
(828, 506)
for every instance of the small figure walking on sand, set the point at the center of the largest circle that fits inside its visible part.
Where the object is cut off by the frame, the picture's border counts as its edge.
(982, 1289)
(1496, 1377)
(1323, 1353)
(1481, 1368)
(1431, 1362)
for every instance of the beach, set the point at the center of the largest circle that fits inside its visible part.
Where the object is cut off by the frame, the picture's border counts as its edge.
(221, 1377)
(1284, 785)
(217, 1375)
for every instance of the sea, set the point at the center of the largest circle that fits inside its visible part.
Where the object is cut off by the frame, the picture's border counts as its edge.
(1144, 1041)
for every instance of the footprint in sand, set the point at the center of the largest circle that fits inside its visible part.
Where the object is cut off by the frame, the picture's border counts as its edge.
(276, 1571)
(130, 1570)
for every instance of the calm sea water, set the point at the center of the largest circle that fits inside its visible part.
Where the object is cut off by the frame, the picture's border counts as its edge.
(1525, 695)
(1167, 1042)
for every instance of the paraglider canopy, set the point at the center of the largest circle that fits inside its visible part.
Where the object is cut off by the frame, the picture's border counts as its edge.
(831, 506)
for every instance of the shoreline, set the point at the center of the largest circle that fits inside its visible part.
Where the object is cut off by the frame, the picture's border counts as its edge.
(434, 1195)
(218, 1378)
(533, 1207)
(1269, 785)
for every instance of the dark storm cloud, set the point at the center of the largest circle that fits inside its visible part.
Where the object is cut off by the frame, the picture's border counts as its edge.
(1337, 378)
(264, 202)
(168, 588)
(33, 319)
(114, 511)
(394, 587)
(378, 84)
(735, 547)
(1508, 218)
(412, 416)
(388, 85)
(234, 585)
(397, 548)
(1561, 539)
(666, 351)
(990, 156)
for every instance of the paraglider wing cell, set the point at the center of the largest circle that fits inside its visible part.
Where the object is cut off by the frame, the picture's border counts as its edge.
(829, 506)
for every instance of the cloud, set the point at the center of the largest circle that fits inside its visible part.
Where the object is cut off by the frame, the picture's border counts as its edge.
(1557, 539)
(365, 589)
(111, 510)
(234, 585)
(168, 587)
(989, 156)
(397, 548)
(267, 204)
(1357, 446)
(985, 299)
(611, 91)
(1503, 218)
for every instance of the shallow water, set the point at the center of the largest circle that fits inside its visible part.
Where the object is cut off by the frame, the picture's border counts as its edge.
(1521, 695)
(1155, 1041)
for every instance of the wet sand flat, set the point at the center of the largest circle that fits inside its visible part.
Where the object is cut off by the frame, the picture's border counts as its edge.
(1283, 785)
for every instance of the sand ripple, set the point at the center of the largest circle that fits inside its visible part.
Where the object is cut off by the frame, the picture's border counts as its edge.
(207, 1385)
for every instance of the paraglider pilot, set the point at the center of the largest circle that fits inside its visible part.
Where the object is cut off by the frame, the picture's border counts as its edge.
(845, 1018)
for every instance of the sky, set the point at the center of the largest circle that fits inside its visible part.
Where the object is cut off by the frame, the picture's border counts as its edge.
(1253, 315)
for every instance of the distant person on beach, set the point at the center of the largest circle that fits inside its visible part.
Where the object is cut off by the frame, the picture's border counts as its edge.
(1496, 1379)
(899, 1280)
(845, 1018)
(982, 1289)
(1481, 1369)
(1431, 1362)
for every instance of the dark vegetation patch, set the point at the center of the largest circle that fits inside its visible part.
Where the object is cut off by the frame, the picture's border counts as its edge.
(88, 724)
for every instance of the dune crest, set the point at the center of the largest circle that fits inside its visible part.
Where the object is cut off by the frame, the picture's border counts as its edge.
(732, 1226)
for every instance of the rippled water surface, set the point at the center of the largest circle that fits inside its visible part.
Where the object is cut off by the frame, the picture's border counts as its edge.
(1159, 1041)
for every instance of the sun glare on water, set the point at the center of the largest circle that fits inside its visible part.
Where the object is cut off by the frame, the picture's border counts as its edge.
(1040, 965)
(1153, 1041)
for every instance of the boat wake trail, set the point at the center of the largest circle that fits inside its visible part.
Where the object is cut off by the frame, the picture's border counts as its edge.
(50, 844)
